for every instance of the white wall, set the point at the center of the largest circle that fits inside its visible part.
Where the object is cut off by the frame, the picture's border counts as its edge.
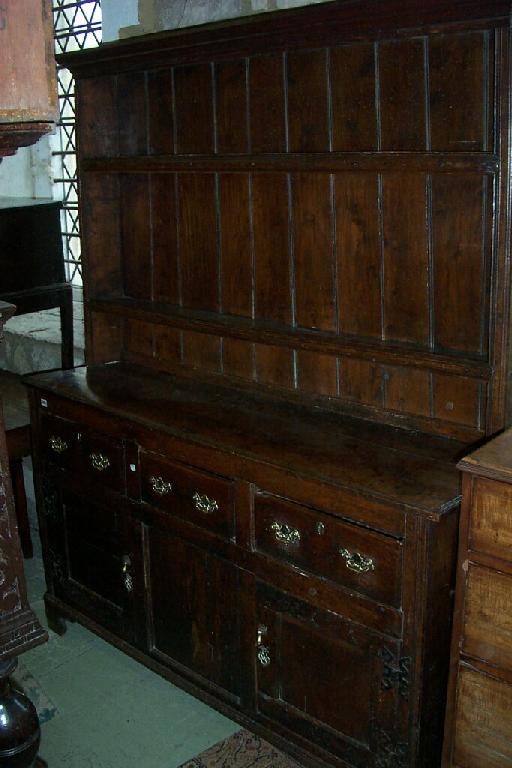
(123, 19)
(28, 173)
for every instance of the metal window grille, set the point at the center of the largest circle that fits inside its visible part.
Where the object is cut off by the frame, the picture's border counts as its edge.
(77, 25)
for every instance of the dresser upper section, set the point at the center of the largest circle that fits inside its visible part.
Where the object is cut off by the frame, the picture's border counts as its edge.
(313, 202)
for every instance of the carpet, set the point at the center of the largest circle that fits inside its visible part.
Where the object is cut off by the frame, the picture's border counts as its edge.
(25, 682)
(242, 750)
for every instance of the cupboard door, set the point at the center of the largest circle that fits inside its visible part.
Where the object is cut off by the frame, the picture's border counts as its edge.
(194, 612)
(94, 560)
(334, 683)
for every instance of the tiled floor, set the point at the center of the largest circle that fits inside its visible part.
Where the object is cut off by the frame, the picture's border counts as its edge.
(110, 711)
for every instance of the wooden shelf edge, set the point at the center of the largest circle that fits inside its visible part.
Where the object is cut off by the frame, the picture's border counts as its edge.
(240, 328)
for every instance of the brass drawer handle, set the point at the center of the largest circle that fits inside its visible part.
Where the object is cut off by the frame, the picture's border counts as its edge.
(263, 650)
(127, 576)
(160, 486)
(357, 562)
(99, 461)
(57, 444)
(204, 504)
(285, 533)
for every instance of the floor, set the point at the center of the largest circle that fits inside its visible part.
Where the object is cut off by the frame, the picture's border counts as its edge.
(101, 708)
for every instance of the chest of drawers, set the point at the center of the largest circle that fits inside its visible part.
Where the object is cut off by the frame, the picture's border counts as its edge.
(479, 714)
(273, 587)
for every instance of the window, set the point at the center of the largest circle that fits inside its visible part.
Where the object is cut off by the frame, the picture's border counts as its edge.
(77, 26)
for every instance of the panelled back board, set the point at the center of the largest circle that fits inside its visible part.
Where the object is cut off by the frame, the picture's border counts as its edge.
(313, 201)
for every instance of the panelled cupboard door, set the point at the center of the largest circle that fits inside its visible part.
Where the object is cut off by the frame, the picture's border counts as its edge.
(194, 624)
(334, 683)
(95, 560)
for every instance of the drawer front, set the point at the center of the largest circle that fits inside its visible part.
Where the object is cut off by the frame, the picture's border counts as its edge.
(346, 554)
(203, 499)
(483, 721)
(102, 460)
(491, 518)
(487, 630)
(92, 457)
(59, 441)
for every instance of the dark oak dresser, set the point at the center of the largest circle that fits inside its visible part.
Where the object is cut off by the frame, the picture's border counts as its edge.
(297, 289)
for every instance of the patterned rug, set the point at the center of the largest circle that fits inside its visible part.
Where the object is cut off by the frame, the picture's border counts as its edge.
(26, 683)
(242, 750)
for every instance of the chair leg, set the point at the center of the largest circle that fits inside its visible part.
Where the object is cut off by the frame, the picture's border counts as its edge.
(66, 325)
(20, 507)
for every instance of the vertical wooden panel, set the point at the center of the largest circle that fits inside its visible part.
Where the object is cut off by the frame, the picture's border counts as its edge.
(200, 350)
(361, 381)
(402, 95)
(274, 365)
(235, 239)
(237, 358)
(167, 344)
(104, 338)
(138, 340)
(136, 235)
(354, 119)
(308, 110)
(358, 254)
(131, 99)
(460, 270)
(272, 263)
(317, 374)
(97, 129)
(160, 112)
(194, 109)
(101, 233)
(406, 293)
(266, 96)
(407, 390)
(198, 241)
(231, 96)
(456, 399)
(458, 92)
(165, 246)
(313, 251)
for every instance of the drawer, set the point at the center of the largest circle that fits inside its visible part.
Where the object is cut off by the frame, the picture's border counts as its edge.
(490, 528)
(58, 441)
(101, 459)
(487, 629)
(354, 557)
(92, 457)
(202, 498)
(483, 721)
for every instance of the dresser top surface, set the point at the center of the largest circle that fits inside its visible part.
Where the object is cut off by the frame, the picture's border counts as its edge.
(494, 459)
(398, 466)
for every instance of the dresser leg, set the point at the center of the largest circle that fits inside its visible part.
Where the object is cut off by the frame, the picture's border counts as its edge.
(19, 726)
(55, 622)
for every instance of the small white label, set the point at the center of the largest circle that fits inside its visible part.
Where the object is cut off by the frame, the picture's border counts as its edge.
(133, 468)
(44, 403)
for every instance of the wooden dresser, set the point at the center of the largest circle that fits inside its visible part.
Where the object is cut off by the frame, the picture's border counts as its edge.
(297, 299)
(479, 713)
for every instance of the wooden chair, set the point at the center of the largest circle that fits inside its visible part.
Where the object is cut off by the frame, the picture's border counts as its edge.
(17, 429)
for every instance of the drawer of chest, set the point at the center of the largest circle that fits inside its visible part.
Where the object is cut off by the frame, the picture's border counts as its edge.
(202, 498)
(347, 554)
(490, 528)
(92, 456)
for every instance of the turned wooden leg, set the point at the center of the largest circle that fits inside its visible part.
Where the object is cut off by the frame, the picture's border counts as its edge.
(19, 725)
